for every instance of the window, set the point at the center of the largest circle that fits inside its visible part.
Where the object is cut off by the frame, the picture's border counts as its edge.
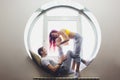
(63, 17)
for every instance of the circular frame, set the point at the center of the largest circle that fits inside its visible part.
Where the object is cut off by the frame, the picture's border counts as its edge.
(82, 10)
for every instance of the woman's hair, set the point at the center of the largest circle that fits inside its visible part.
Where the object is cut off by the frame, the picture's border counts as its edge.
(52, 38)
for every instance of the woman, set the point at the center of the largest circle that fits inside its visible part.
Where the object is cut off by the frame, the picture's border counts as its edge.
(67, 35)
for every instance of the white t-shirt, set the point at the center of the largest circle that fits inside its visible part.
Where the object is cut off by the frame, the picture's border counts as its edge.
(45, 61)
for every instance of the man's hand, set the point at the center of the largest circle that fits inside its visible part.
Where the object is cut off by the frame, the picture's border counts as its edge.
(62, 59)
(56, 67)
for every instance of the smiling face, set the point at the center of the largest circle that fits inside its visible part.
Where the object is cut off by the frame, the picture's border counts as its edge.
(44, 52)
(55, 34)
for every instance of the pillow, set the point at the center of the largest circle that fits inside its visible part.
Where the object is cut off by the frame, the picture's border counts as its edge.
(35, 58)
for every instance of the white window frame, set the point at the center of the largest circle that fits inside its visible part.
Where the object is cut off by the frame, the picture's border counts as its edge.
(60, 18)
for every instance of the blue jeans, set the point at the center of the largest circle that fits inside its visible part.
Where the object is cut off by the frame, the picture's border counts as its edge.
(77, 47)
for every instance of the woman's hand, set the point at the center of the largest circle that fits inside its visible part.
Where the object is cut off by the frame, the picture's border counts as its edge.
(58, 41)
(64, 42)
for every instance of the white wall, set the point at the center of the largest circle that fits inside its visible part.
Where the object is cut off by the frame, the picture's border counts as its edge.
(14, 61)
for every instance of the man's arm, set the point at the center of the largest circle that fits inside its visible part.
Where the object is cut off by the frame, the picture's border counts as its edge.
(53, 68)
(56, 67)
(60, 51)
(47, 64)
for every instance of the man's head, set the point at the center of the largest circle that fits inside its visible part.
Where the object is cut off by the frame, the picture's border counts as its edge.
(42, 52)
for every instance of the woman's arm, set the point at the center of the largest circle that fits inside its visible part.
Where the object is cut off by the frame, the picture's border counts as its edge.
(64, 42)
(65, 37)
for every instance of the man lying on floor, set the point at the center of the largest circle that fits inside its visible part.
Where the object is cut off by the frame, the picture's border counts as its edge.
(61, 67)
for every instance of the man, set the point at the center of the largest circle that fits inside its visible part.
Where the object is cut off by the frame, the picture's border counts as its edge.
(60, 67)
